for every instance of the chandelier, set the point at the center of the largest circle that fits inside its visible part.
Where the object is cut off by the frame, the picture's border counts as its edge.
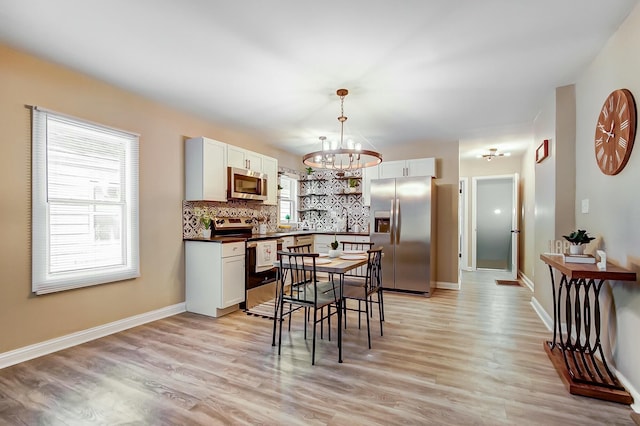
(341, 157)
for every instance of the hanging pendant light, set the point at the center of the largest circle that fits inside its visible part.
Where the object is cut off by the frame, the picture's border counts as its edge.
(341, 157)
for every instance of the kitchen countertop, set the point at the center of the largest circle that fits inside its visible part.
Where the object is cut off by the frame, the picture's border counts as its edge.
(271, 235)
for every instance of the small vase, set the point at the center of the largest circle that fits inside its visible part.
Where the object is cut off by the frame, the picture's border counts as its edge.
(334, 253)
(576, 249)
(206, 233)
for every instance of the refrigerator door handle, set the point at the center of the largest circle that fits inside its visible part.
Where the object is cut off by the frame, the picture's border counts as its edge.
(391, 222)
(398, 221)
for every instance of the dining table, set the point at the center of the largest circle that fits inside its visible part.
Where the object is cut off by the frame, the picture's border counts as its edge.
(336, 268)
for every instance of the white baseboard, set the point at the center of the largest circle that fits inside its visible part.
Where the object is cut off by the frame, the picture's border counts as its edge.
(629, 387)
(36, 350)
(526, 280)
(447, 285)
(542, 314)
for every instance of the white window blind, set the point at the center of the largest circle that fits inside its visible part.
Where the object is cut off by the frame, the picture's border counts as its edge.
(84, 203)
(288, 199)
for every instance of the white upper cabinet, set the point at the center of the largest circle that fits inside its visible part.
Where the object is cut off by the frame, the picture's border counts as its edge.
(244, 159)
(368, 174)
(391, 169)
(414, 167)
(421, 167)
(270, 168)
(205, 170)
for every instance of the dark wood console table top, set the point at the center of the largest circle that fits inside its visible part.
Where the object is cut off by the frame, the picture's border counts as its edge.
(573, 351)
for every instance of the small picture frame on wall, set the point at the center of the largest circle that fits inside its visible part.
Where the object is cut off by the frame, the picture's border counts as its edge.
(543, 151)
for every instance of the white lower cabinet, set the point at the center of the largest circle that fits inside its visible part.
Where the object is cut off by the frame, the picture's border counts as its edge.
(288, 242)
(321, 242)
(214, 275)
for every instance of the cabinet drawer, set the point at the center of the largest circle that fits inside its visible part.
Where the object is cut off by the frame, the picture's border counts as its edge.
(232, 249)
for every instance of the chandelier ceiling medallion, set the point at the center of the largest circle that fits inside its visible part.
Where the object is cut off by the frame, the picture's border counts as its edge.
(341, 157)
(493, 153)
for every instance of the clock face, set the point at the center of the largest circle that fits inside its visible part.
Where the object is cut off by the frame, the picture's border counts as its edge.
(615, 131)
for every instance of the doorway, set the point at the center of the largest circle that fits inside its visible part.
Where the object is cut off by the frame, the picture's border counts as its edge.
(495, 223)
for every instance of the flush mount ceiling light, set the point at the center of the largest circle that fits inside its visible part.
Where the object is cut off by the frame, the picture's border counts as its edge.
(493, 153)
(341, 157)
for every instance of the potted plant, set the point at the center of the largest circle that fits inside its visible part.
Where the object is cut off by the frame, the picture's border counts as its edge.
(578, 239)
(334, 252)
(353, 185)
(309, 171)
(279, 189)
(205, 220)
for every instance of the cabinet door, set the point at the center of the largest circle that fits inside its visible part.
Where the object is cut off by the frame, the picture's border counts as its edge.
(391, 169)
(236, 157)
(205, 170)
(270, 167)
(321, 243)
(232, 281)
(368, 174)
(287, 242)
(422, 167)
(254, 161)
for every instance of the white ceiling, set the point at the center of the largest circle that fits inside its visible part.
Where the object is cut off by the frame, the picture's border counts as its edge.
(470, 70)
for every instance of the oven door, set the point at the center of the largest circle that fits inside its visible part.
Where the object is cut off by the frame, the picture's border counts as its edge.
(260, 287)
(247, 184)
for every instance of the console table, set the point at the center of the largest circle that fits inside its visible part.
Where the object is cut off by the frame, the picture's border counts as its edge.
(573, 352)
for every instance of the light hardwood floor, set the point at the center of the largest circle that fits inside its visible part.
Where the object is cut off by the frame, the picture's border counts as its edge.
(473, 356)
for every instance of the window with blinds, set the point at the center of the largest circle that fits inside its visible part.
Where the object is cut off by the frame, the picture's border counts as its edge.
(288, 199)
(85, 203)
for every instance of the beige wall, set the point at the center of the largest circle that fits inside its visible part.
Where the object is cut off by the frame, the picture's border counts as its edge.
(614, 201)
(24, 80)
(446, 153)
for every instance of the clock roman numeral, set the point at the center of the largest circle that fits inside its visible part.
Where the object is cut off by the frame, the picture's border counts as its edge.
(605, 112)
(600, 153)
(624, 124)
(599, 141)
(611, 104)
(624, 106)
(622, 142)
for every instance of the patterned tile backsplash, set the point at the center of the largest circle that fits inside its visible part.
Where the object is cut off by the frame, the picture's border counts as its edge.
(328, 207)
(191, 226)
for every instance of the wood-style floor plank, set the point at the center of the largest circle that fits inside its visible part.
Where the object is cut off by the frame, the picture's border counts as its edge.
(473, 356)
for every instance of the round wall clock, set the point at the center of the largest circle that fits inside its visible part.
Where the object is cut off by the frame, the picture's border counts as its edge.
(615, 132)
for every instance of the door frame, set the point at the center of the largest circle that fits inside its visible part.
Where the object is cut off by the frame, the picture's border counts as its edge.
(515, 230)
(463, 224)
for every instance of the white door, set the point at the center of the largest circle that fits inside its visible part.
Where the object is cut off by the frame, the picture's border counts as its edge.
(495, 223)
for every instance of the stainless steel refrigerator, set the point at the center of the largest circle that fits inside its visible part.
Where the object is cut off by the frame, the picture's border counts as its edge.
(403, 223)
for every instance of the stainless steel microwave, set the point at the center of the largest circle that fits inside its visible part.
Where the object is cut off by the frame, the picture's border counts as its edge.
(246, 184)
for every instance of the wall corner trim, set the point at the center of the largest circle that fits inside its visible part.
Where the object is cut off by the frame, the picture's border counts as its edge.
(447, 285)
(49, 346)
(526, 281)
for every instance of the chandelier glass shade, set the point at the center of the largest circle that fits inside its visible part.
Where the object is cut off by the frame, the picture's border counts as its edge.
(341, 157)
